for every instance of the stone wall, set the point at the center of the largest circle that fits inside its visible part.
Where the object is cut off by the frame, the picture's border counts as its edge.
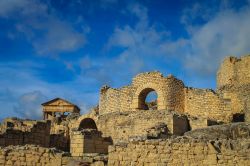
(23, 125)
(233, 82)
(140, 123)
(200, 122)
(169, 90)
(88, 141)
(114, 100)
(30, 155)
(181, 151)
(60, 134)
(60, 141)
(44, 133)
(226, 131)
(172, 95)
(39, 156)
(239, 96)
(234, 71)
(230, 98)
(17, 132)
(207, 104)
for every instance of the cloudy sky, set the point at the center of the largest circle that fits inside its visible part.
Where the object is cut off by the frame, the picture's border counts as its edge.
(70, 49)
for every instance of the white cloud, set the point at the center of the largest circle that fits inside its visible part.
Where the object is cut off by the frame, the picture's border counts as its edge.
(122, 37)
(48, 34)
(141, 12)
(60, 37)
(228, 33)
(225, 31)
(29, 105)
(140, 42)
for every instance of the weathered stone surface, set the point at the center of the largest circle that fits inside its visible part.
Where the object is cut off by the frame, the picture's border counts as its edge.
(35, 155)
(233, 82)
(88, 141)
(226, 131)
(182, 151)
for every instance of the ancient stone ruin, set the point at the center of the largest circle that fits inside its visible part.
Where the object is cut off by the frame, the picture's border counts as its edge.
(58, 108)
(184, 126)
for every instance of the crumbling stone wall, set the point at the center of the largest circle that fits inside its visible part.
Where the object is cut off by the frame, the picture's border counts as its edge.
(233, 83)
(34, 155)
(208, 104)
(30, 155)
(180, 151)
(18, 132)
(169, 90)
(232, 95)
(234, 71)
(239, 96)
(23, 125)
(127, 124)
(60, 135)
(44, 133)
(172, 95)
(226, 131)
(111, 99)
(122, 126)
(200, 122)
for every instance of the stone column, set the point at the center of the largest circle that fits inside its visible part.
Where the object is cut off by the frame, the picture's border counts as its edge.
(45, 115)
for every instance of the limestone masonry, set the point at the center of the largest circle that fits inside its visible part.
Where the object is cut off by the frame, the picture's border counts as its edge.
(184, 126)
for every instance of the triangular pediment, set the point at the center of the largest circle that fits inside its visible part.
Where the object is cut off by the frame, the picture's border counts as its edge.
(58, 102)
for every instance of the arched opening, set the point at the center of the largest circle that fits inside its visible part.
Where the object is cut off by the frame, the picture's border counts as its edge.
(87, 123)
(151, 100)
(148, 99)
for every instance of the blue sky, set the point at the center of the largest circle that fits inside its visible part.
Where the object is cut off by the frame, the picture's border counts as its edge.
(70, 49)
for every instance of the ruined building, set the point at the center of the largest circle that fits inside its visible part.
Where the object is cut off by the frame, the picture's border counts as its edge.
(58, 108)
(187, 126)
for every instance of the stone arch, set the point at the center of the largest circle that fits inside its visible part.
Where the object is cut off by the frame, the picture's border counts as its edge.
(87, 123)
(142, 98)
(76, 124)
(141, 93)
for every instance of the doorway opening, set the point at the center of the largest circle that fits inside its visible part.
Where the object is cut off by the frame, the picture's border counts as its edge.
(148, 99)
